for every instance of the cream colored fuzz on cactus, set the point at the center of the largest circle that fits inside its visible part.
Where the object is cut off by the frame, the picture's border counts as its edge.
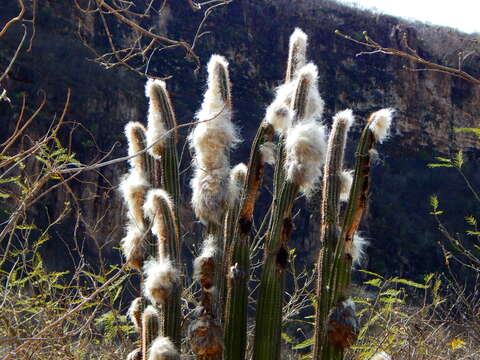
(297, 53)
(152, 210)
(345, 118)
(132, 247)
(135, 355)
(237, 177)
(382, 355)
(305, 148)
(207, 254)
(267, 151)
(315, 104)
(212, 141)
(150, 313)
(156, 130)
(160, 277)
(135, 313)
(134, 144)
(359, 247)
(278, 112)
(212, 138)
(380, 122)
(162, 348)
(133, 188)
(346, 180)
(210, 195)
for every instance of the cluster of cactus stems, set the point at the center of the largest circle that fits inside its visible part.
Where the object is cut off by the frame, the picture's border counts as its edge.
(293, 140)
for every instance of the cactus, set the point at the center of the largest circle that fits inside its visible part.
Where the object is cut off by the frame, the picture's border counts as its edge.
(293, 140)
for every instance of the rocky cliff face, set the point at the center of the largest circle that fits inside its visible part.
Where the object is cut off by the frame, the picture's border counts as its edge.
(254, 37)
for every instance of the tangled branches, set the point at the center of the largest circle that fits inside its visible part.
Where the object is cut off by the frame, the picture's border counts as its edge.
(137, 41)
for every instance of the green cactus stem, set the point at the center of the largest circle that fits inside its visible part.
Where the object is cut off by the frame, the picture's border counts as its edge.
(238, 255)
(150, 327)
(328, 229)
(167, 168)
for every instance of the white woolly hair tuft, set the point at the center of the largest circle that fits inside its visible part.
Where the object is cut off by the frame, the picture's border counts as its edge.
(135, 313)
(213, 101)
(156, 130)
(132, 247)
(297, 52)
(278, 112)
(359, 247)
(237, 179)
(135, 144)
(210, 193)
(239, 172)
(315, 103)
(346, 181)
(213, 65)
(152, 210)
(380, 122)
(382, 355)
(305, 148)
(133, 188)
(344, 118)
(162, 348)
(151, 205)
(160, 276)
(149, 313)
(212, 138)
(267, 150)
(209, 249)
(134, 355)
(348, 303)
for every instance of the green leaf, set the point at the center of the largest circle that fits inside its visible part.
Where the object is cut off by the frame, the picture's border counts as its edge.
(408, 283)
(458, 160)
(391, 300)
(10, 179)
(287, 338)
(26, 227)
(373, 282)
(4, 196)
(42, 239)
(117, 293)
(390, 293)
(434, 204)
(372, 273)
(304, 344)
(436, 165)
(439, 158)
(457, 343)
(427, 278)
(471, 220)
(99, 278)
(476, 131)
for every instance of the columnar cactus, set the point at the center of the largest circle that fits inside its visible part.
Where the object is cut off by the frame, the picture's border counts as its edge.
(291, 138)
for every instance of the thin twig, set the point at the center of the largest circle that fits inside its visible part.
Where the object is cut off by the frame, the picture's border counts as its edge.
(15, 19)
(9, 67)
(412, 57)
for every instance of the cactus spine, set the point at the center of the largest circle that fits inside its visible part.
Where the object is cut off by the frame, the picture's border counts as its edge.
(293, 140)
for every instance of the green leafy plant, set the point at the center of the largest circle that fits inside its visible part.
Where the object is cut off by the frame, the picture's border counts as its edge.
(465, 251)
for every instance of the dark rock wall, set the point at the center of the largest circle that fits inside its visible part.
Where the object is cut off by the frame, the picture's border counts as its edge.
(253, 35)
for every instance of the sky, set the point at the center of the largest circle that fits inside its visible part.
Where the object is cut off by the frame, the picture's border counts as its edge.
(461, 14)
